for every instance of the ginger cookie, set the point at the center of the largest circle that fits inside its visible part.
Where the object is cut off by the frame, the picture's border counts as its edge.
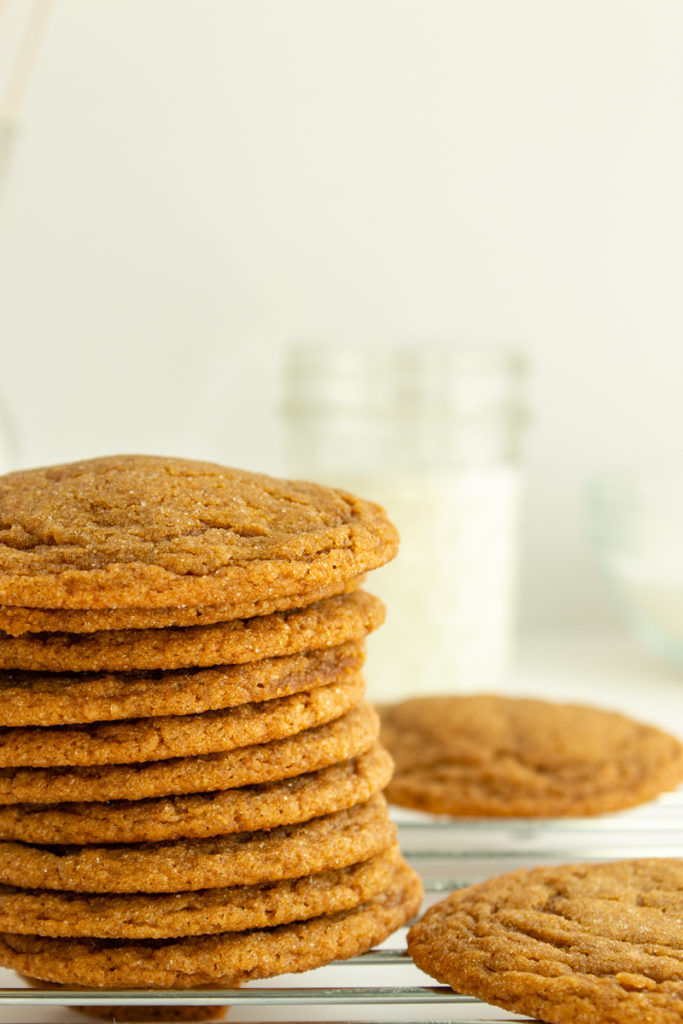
(583, 942)
(168, 915)
(168, 736)
(327, 623)
(348, 736)
(221, 812)
(15, 620)
(488, 755)
(32, 699)
(291, 851)
(140, 1014)
(151, 532)
(228, 958)
(151, 1014)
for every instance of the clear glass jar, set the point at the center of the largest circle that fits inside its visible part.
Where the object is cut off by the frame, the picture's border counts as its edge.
(431, 432)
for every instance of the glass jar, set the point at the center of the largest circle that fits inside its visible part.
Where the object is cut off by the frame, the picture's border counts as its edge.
(431, 432)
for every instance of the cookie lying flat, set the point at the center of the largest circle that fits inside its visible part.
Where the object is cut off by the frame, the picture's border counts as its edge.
(31, 699)
(15, 620)
(202, 814)
(168, 915)
(348, 736)
(228, 959)
(149, 532)
(327, 623)
(590, 943)
(330, 841)
(487, 755)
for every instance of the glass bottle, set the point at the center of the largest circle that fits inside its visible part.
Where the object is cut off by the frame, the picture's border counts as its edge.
(431, 432)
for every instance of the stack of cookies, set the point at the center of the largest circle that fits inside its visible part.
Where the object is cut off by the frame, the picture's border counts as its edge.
(190, 777)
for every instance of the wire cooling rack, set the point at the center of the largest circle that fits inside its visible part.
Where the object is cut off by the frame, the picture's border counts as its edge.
(384, 985)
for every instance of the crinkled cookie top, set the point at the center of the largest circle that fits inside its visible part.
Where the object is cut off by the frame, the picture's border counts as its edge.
(153, 532)
(595, 943)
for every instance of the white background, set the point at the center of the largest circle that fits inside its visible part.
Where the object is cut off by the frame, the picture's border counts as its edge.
(196, 181)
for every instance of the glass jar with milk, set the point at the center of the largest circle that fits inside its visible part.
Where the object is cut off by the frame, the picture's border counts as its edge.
(432, 432)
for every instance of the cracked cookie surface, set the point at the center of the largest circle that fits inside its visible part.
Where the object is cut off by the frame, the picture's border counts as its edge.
(586, 942)
(153, 532)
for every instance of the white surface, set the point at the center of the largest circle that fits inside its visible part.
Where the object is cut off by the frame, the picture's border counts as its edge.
(197, 182)
(608, 669)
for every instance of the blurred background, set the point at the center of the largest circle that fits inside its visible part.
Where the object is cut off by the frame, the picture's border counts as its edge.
(188, 186)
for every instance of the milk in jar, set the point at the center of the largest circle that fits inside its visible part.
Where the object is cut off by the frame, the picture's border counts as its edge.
(433, 434)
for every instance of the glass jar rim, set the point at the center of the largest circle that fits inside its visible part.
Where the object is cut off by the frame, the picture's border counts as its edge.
(380, 379)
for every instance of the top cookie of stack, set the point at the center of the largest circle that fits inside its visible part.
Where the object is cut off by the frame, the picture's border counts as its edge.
(156, 535)
(180, 665)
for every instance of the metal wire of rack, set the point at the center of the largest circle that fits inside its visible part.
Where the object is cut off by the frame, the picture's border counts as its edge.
(384, 985)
